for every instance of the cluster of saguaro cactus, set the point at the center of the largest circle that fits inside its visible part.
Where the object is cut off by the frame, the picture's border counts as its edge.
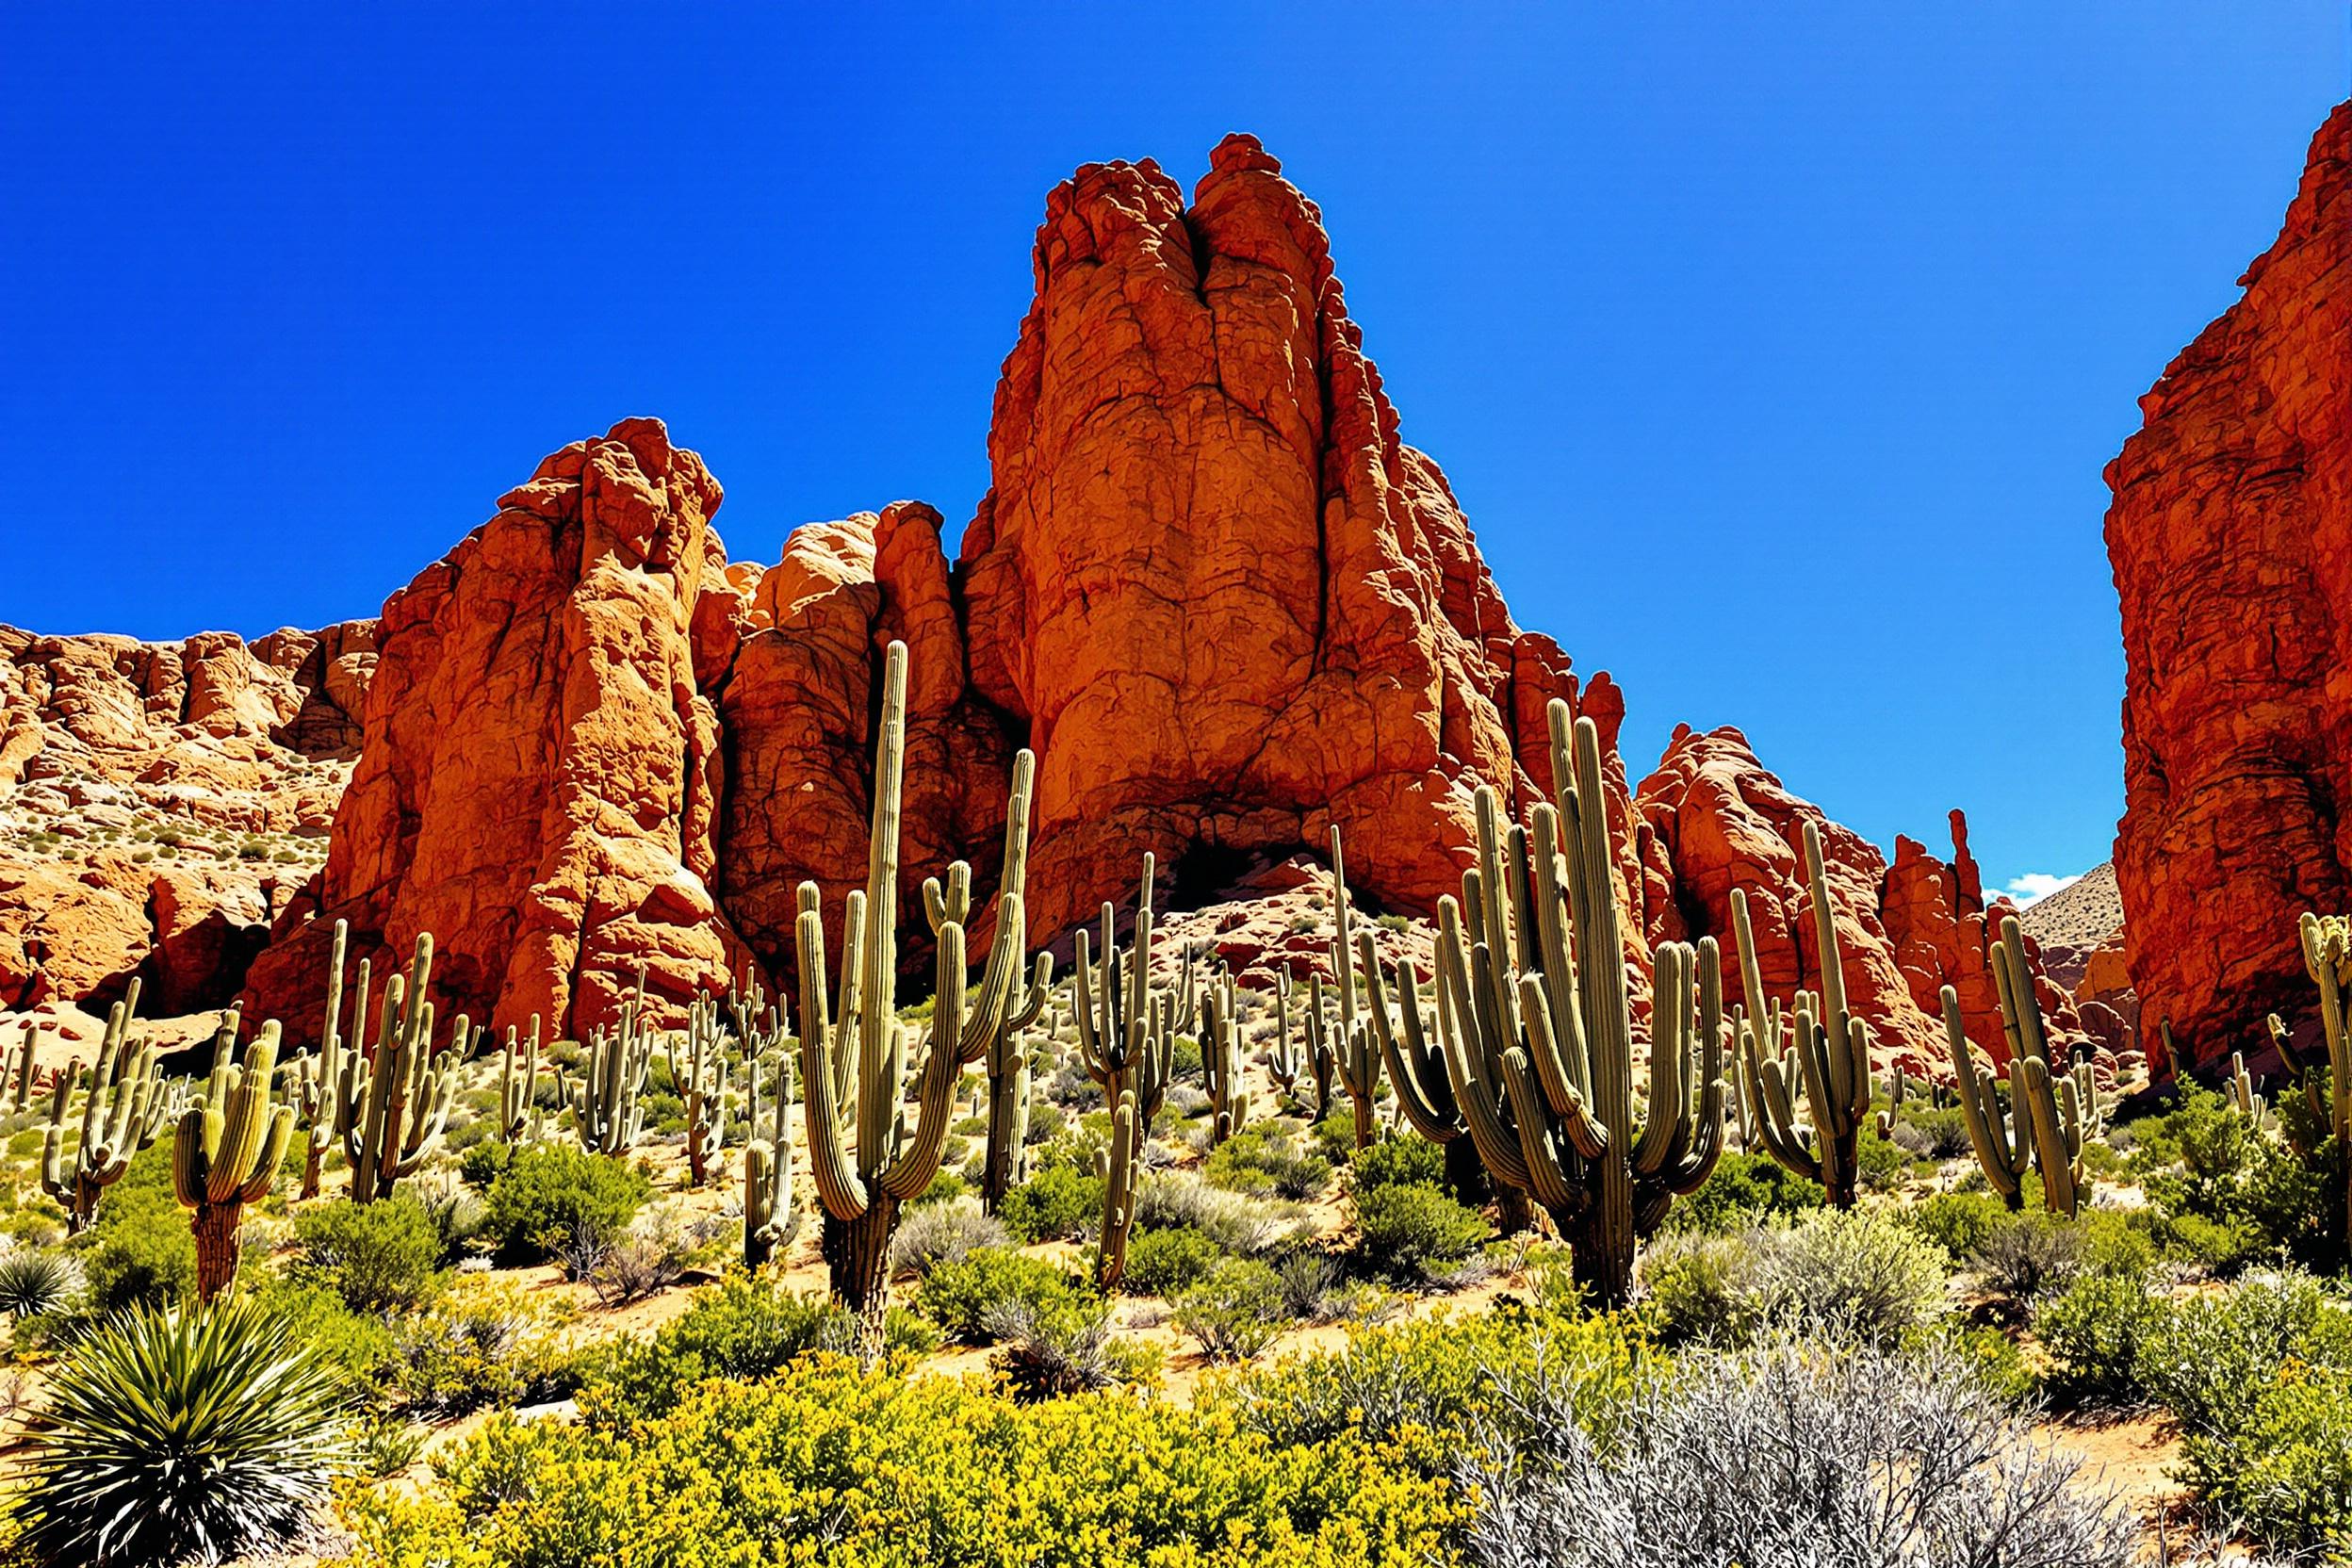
(705, 1084)
(2326, 944)
(391, 1105)
(1537, 1038)
(998, 1045)
(2058, 1108)
(1827, 1061)
(126, 1109)
(1221, 1058)
(228, 1148)
(1127, 1040)
(866, 1156)
(769, 1219)
(1410, 1046)
(1350, 1047)
(1322, 1059)
(2003, 1139)
(319, 1079)
(607, 1101)
(2239, 1086)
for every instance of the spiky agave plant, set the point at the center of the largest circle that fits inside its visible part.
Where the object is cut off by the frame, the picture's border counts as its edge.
(180, 1434)
(37, 1279)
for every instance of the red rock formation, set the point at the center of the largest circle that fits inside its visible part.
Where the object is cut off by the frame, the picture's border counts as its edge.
(1209, 584)
(160, 794)
(538, 780)
(1943, 932)
(1725, 822)
(2231, 535)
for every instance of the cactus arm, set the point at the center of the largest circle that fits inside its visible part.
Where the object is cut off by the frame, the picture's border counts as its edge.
(839, 1186)
(918, 1160)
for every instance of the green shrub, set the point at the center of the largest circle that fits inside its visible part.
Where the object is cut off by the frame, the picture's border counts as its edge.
(1698, 1286)
(743, 1329)
(2226, 1195)
(144, 1256)
(1335, 1136)
(1881, 1165)
(378, 1257)
(2208, 1359)
(1743, 1190)
(480, 1164)
(1161, 1262)
(549, 1196)
(1958, 1222)
(360, 1344)
(484, 1342)
(1258, 1160)
(860, 1470)
(1848, 1271)
(1410, 1160)
(182, 1433)
(941, 1232)
(1050, 1354)
(2027, 1255)
(1058, 1203)
(2093, 1334)
(2283, 1471)
(1234, 1310)
(961, 1296)
(1414, 1233)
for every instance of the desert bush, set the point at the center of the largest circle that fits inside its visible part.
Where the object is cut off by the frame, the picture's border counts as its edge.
(1257, 1159)
(139, 1250)
(2208, 1359)
(182, 1433)
(38, 1281)
(1234, 1310)
(1760, 1459)
(1414, 1233)
(2093, 1334)
(650, 1256)
(549, 1197)
(1956, 1221)
(1881, 1163)
(742, 1328)
(2028, 1256)
(1052, 1352)
(1162, 1262)
(1236, 1223)
(378, 1257)
(2226, 1196)
(1311, 1284)
(484, 1342)
(942, 1233)
(860, 1470)
(1409, 1160)
(1941, 1131)
(1852, 1271)
(2282, 1473)
(1743, 1190)
(360, 1343)
(960, 1297)
(1058, 1203)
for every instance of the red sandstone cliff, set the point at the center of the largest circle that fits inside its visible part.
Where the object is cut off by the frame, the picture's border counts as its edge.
(2231, 535)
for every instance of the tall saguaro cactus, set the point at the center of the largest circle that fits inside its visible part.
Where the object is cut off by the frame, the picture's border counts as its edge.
(607, 1102)
(704, 1083)
(125, 1111)
(2326, 943)
(23, 1091)
(2004, 1141)
(319, 1079)
(759, 1030)
(227, 1152)
(1127, 1041)
(2059, 1106)
(865, 1157)
(519, 1086)
(1416, 1065)
(1000, 1049)
(1351, 1048)
(1828, 1061)
(1538, 1038)
(1222, 1059)
(393, 1106)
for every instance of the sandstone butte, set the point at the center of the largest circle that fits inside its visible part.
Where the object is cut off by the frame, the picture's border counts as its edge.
(1209, 585)
(2231, 536)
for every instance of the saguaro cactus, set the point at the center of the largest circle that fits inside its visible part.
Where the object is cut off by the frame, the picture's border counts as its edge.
(392, 1107)
(1001, 1052)
(769, 1220)
(1284, 1059)
(519, 1118)
(1538, 1040)
(2239, 1086)
(1222, 1059)
(1352, 1049)
(704, 1083)
(227, 1152)
(1828, 1061)
(866, 1158)
(319, 1079)
(23, 1092)
(2004, 1141)
(1127, 1041)
(1416, 1065)
(2063, 1105)
(2326, 944)
(607, 1102)
(125, 1110)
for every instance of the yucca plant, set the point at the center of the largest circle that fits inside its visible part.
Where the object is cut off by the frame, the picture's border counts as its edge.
(34, 1280)
(182, 1434)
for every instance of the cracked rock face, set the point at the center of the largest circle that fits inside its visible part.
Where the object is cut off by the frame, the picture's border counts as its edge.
(2231, 536)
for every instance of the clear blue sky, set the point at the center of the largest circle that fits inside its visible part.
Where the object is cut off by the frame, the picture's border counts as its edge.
(1774, 350)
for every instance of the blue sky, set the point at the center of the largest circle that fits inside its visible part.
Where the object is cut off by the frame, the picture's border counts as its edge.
(1775, 351)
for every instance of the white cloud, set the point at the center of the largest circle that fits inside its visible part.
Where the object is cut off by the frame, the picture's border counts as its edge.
(2035, 885)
